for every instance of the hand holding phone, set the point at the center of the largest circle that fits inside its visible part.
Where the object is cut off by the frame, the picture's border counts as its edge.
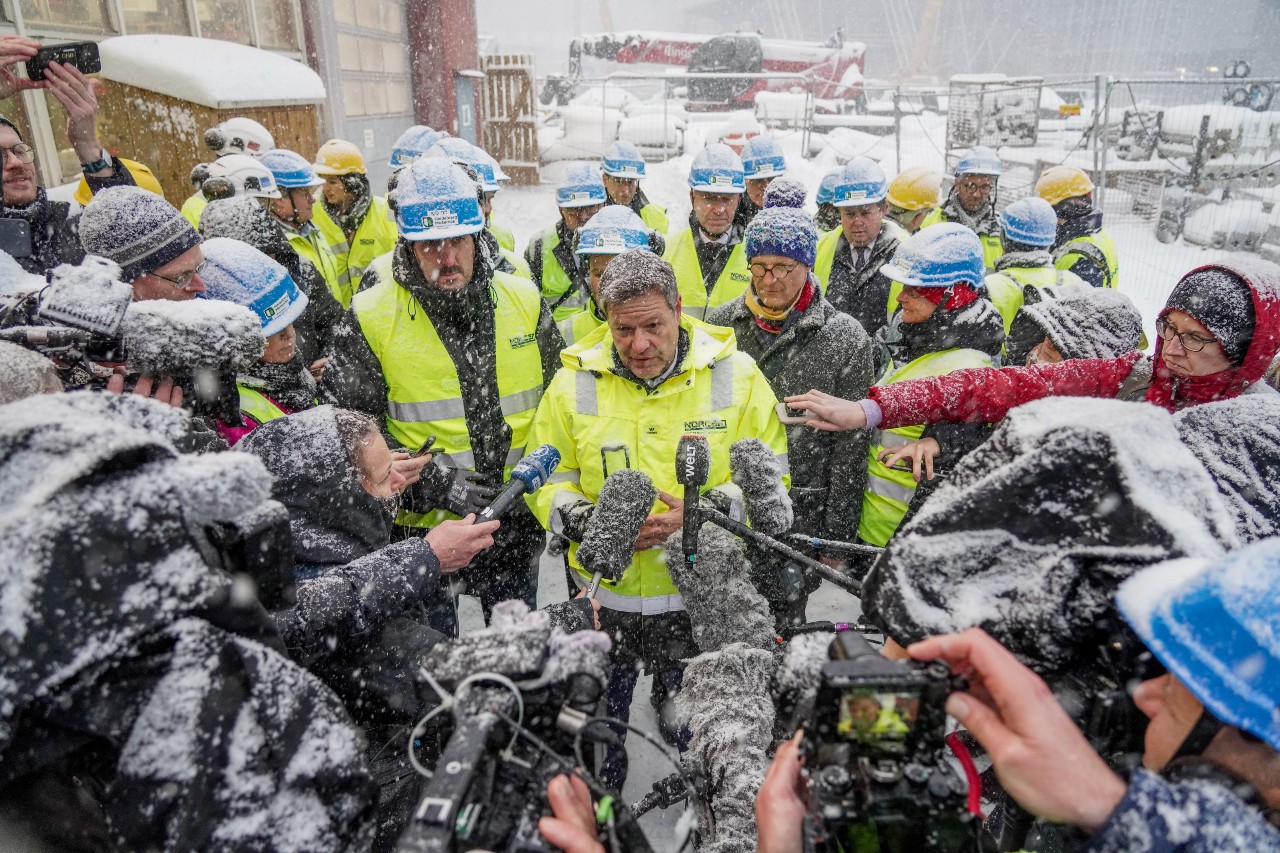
(788, 415)
(82, 54)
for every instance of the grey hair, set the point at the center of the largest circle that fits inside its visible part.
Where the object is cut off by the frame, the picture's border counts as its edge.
(635, 273)
(357, 430)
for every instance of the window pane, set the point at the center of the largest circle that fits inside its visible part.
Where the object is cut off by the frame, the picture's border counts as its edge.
(83, 15)
(276, 24)
(353, 97)
(344, 11)
(393, 58)
(156, 16)
(224, 19)
(367, 15)
(348, 52)
(68, 167)
(392, 17)
(398, 97)
(375, 98)
(371, 55)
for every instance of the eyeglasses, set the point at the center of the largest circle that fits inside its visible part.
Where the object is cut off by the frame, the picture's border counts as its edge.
(183, 281)
(1191, 342)
(779, 271)
(22, 152)
(975, 186)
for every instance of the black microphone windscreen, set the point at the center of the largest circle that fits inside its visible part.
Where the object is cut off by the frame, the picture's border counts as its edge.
(755, 470)
(723, 604)
(625, 501)
(180, 339)
(693, 461)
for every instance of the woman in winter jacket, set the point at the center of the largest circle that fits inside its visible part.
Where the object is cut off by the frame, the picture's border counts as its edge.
(1218, 333)
(799, 340)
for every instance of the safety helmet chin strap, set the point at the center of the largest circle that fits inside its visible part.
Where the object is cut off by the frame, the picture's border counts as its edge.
(1201, 734)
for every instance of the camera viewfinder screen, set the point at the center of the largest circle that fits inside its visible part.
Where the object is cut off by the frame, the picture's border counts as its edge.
(877, 718)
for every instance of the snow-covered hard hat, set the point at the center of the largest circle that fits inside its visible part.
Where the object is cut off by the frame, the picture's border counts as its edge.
(435, 199)
(237, 272)
(762, 158)
(1059, 183)
(1030, 221)
(464, 153)
(916, 188)
(239, 136)
(827, 189)
(580, 187)
(239, 174)
(861, 182)
(1213, 627)
(622, 160)
(980, 160)
(499, 177)
(291, 170)
(612, 231)
(716, 169)
(940, 255)
(339, 157)
(412, 144)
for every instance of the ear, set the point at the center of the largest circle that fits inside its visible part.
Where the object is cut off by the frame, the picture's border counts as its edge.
(679, 307)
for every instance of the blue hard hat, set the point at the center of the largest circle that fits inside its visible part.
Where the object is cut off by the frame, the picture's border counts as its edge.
(435, 199)
(290, 169)
(463, 152)
(623, 160)
(500, 177)
(762, 158)
(862, 181)
(1031, 221)
(1213, 625)
(412, 144)
(716, 169)
(827, 189)
(980, 160)
(938, 255)
(581, 187)
(237, 272)
(612, 231)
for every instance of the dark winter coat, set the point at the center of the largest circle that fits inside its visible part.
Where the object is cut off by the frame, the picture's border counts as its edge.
(1033, 531)
(827, 350)
(134, 668)
(864, 294)
(352, 583)
(55, 230)
(1190, 815)
(987, 395)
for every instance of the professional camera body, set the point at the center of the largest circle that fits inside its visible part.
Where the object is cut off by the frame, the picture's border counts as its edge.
(877, 753)
(520, 695)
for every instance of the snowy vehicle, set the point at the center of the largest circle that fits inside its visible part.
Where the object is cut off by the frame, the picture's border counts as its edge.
(833, 68)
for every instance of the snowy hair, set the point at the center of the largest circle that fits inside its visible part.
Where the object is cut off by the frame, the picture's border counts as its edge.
(356, 429)
(635, 273)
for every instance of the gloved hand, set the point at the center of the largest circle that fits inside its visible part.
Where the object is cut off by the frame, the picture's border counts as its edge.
(467, 493)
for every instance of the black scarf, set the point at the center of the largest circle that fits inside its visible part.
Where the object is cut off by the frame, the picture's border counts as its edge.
(358, 186)
(975, 326)
(982, 222)
(290, 384)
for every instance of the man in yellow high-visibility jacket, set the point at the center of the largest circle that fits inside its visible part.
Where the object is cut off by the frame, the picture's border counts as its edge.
(624, 397)
(550, 255)
(972, 201)
(439, 345)
(353, 220)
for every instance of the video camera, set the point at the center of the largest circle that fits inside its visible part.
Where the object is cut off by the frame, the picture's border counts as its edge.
(877, 754)
(521, 698)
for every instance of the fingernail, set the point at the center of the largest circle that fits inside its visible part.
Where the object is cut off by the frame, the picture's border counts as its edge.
(958, 706)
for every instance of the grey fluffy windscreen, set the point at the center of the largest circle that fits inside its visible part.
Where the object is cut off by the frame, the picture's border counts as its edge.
(180, 338)
(723, 605)
(624, 502)
(755, 470)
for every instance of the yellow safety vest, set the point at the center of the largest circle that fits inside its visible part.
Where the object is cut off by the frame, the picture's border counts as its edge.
(655, 217)
(576, 328)
(597, 419)
(316, 250)
(375, 236)
(682, 254)
(522, 268)
(826, 259)
(193, 207)
(256, 405)
(889, 490)
(556, 282)
(424, 395)
(1067, 254)
(1005, 288)
(992, 249)
(505, 238)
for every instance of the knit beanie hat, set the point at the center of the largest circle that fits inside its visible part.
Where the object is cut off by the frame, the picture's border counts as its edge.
(136, 228)
(1222, 302)
(4, 121)
(784, 192)
(783, 231)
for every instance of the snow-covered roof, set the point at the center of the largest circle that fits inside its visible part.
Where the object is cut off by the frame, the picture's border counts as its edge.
(218, 74)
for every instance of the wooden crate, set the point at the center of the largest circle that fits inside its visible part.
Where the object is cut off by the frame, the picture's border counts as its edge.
(511, 115)
(166, 133)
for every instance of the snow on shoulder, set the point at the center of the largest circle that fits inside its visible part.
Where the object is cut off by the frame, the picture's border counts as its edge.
(214, 73)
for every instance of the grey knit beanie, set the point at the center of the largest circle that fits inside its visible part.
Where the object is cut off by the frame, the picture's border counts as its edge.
(136, 228)
(1222, 302)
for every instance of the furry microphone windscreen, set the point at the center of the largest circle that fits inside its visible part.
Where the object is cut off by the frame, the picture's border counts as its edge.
(721, 600)
(624, 502)
(755, 470)
(180, 339)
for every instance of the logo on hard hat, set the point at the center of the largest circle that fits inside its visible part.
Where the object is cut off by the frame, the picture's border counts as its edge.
(628, 168)
(718, 179)
(576, 196)
(277, 307)
(442, 218)
(611, 240)
(854, 195)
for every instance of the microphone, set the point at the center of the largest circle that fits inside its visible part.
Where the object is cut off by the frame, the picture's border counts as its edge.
(755, 471)
(624, 502)
(693, 467)
(529, 474)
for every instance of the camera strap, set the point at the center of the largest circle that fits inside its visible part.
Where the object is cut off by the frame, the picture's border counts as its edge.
(1197, 740)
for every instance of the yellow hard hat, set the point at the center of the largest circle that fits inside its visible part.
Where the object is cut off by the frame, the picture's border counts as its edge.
(339, 157)
(1062, 182)
(142, 176)
(916, 188)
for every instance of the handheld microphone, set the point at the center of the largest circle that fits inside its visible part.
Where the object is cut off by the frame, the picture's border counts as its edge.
(755, 470)
(529, 474)
(693, 467)
(624, 502)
